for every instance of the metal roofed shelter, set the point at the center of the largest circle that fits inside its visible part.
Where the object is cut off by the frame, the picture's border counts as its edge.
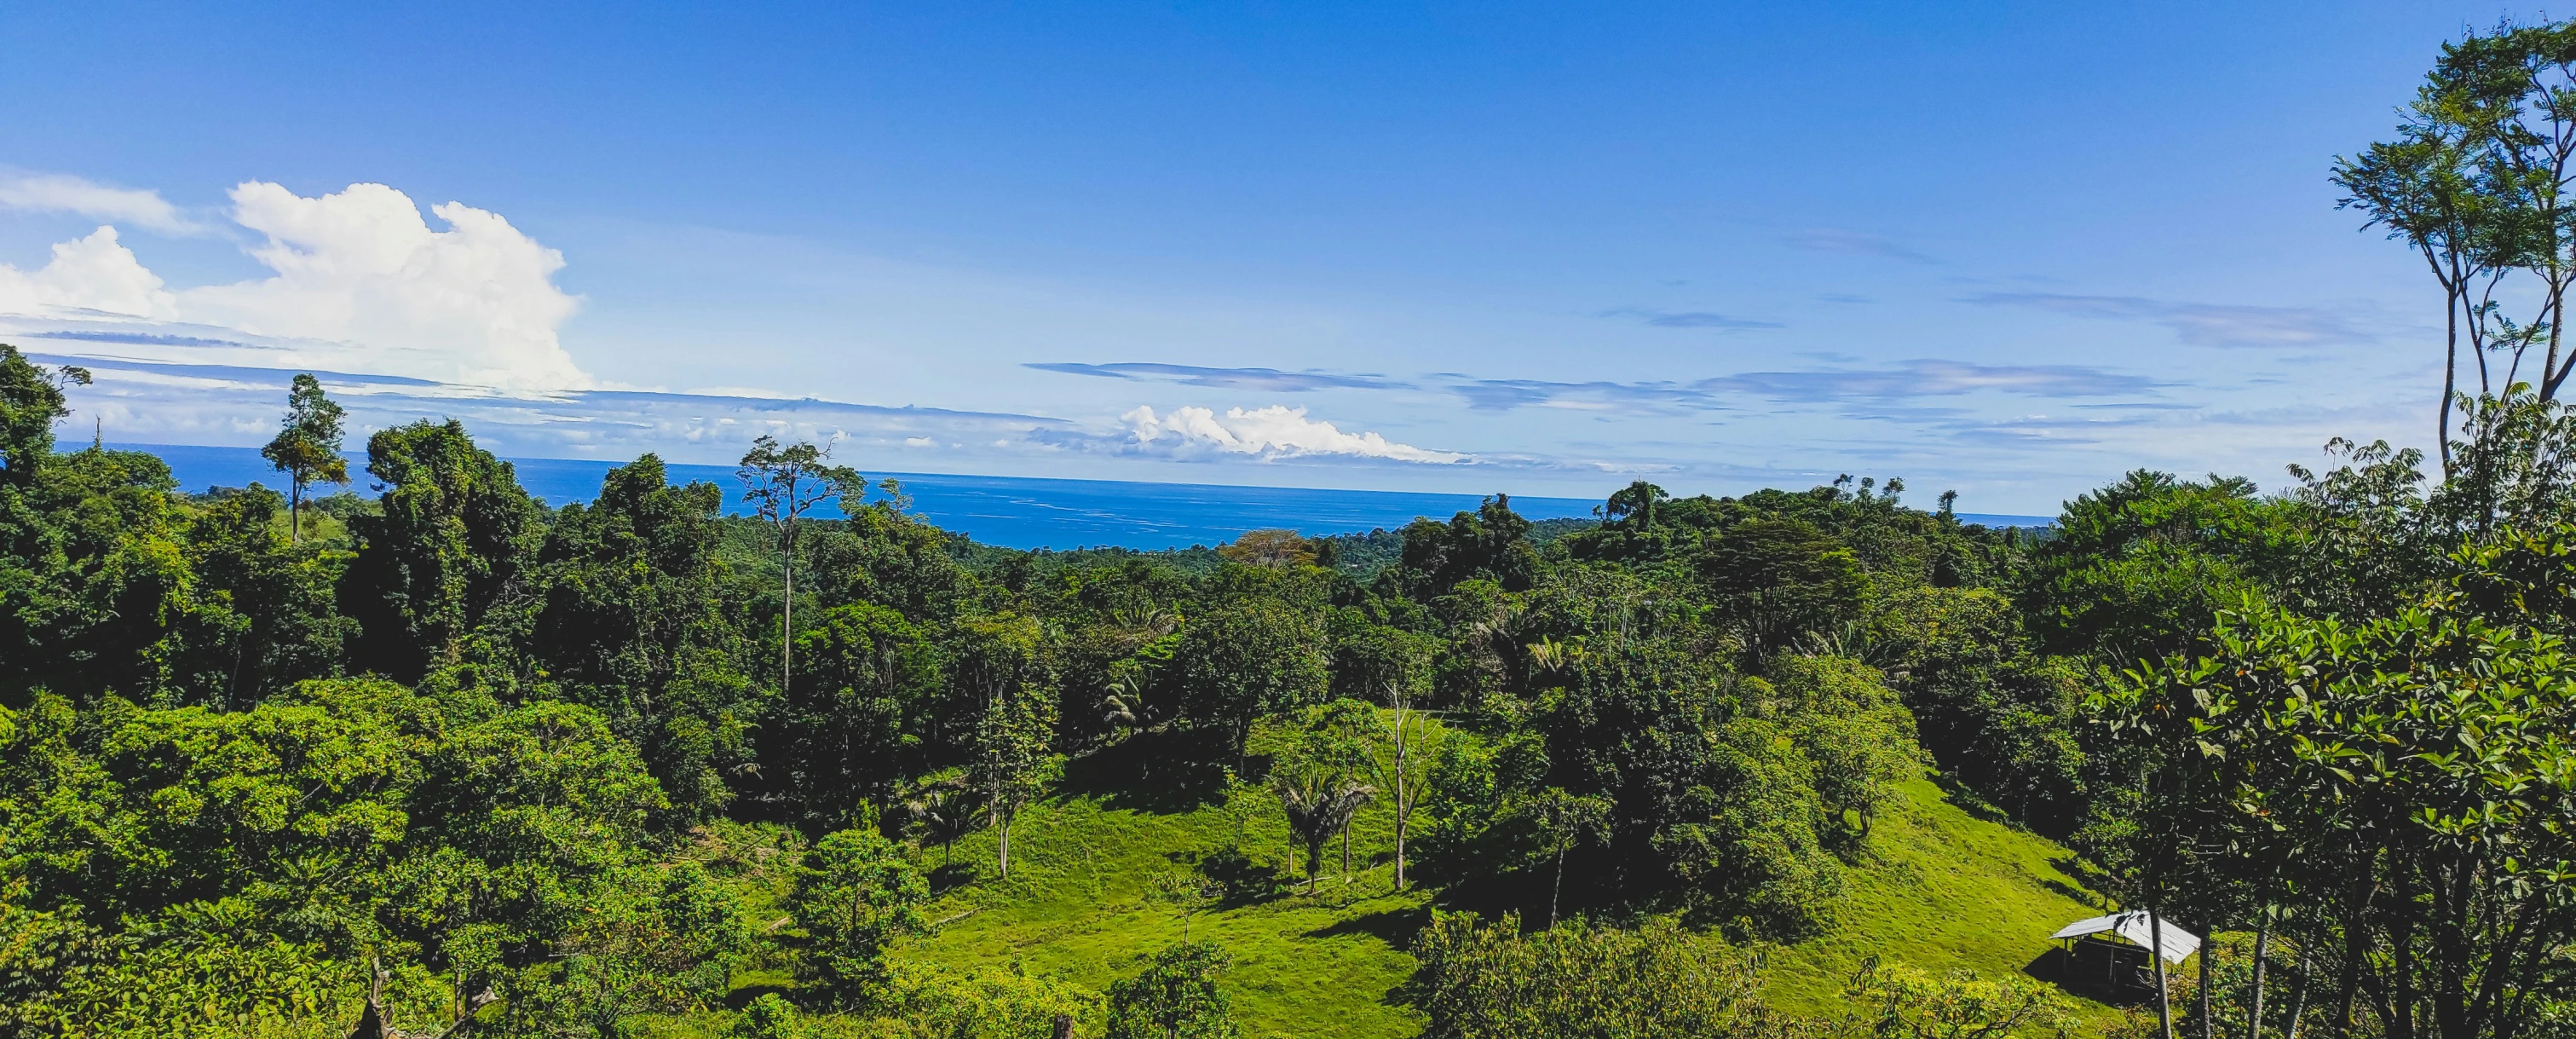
(2112, 950)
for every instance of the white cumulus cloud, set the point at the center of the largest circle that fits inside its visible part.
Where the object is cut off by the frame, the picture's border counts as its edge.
(59, 193)
(92, 274)
(1277, 431)
(359, 281)
(475, 303)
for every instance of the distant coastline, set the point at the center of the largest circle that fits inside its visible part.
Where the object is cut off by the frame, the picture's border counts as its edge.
(1014, 511)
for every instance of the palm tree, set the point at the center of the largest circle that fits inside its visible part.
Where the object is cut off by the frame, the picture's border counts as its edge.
(1317, 811)
(943, 811)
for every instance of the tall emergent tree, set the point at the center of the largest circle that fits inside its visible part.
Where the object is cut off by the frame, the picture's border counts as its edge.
(2477, 182)
(785, 483)
(307, 449)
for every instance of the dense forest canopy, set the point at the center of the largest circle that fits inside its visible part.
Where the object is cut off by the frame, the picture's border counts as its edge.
(439, 759)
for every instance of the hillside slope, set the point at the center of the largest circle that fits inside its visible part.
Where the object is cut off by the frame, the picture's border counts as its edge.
(1090, 896)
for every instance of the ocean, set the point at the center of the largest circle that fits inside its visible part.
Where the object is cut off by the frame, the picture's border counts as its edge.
(1012, 511)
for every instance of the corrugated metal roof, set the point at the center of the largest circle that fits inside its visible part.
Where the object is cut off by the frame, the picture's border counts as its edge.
(2139, 928)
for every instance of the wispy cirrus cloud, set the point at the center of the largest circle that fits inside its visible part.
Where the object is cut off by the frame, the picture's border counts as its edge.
(1692, 319)
(63, 193)
(1855, 243)
(1261, 379)
(2199, 324)
(150, 401)
(1931, 378)
(1905, 380)
(1507, 394)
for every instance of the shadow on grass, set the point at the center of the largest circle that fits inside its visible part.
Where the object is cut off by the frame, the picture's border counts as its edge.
(1165, 772)
(2053, 967)
(1967, 800)
(1395, 927)
(951, 876)
(2083, 873)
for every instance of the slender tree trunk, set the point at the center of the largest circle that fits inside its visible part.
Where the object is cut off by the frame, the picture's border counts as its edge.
(1002, 828)
(1557, 890)
(1403, 794)
(2350, 987)
(294, 511)
(786, 612)
(2299, 994)
(2156, 957)
(2450, 387)
(2262, 949)
(1399, 841)
(2401, 950)
(1346, 851)
(2549, 373)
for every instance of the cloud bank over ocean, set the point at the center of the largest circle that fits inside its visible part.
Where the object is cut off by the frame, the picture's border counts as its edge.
(409, 311)
(406, 320)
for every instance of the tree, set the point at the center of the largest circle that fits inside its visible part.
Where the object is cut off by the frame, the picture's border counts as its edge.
(2476, 182)
(1240, 662)
(31, 399)
(1014, 765)
(1317, 777)
(855, 896)
(270, 602)
(2401, 783)
(1482, 980)
(1404, 740)
(451, 545)
(849, 725)
(1563, 821)
(307, 450)
(1782, 579)
(783, 484)
(1633, 507)
(633, 620)
(769, 1017)
(1410, 743)
(1273, 548)
(1000, 664)
(1894, 1001)
(1175, 997)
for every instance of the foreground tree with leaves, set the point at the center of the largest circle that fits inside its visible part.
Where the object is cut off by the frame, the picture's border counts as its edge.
(2403, 785)
(855, 896)
(1489, 981)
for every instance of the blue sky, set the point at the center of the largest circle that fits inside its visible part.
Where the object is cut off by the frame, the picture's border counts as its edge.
(2012, 249)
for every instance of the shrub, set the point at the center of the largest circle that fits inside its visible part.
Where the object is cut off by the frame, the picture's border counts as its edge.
(1175, 998)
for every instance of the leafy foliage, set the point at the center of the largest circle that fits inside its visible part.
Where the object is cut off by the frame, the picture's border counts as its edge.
(1175, 997)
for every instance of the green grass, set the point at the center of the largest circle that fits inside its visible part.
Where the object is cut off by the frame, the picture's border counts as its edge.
(1940, 888)
(1083, 903)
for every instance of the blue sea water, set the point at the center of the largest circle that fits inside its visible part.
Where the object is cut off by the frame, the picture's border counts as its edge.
(1016, 512)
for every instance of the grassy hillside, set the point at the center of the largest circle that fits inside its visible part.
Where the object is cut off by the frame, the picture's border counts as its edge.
(1090, 895)
(1943, 888)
